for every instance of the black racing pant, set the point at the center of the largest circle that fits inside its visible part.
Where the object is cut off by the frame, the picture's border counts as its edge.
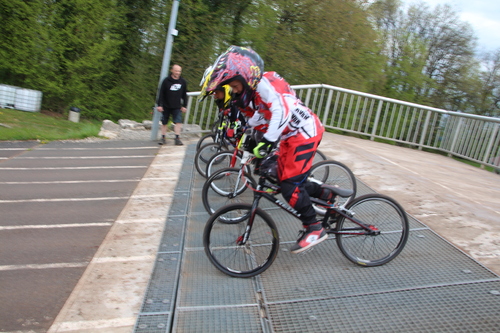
(297, 191)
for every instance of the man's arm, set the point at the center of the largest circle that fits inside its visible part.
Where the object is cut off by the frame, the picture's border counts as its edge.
(184, 94)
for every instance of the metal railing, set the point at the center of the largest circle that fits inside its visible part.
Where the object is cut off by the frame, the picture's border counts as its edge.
(472, 137)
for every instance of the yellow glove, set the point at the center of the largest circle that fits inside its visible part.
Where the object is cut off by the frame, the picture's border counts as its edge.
(262, 149)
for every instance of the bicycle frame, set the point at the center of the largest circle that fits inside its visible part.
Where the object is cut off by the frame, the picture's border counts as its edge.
(266, 190)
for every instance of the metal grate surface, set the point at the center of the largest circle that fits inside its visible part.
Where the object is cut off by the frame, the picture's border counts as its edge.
(218, 320)
(430, 287)
(456, 308)
(153, 323)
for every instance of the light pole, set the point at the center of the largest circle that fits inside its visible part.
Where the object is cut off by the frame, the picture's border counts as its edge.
(165, 64)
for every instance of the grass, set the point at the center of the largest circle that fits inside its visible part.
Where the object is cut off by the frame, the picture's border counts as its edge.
(43, 126)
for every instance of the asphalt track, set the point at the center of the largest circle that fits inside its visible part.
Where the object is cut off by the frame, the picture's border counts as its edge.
(58, 202)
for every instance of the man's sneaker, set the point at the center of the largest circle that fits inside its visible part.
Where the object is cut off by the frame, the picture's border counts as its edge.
(162, 141)
(178, 142)
(311, 235)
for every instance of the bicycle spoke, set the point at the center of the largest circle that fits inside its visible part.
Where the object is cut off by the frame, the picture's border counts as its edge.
(374, 249)
(223, 246)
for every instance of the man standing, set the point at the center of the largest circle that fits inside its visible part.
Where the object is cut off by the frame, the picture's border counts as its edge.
(172, 100)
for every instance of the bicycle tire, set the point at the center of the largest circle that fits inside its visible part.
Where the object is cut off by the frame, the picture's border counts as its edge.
(203, 156)
(223, 160)
(221, 189)
(319, 157)
(387, 215)
(336, 174)
(206, 139)
(220, 241)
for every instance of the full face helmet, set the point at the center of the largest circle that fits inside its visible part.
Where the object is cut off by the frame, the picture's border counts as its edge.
(237, 63)
(224, 103)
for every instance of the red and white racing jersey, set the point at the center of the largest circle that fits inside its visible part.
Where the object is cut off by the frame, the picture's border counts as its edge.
(287, 116)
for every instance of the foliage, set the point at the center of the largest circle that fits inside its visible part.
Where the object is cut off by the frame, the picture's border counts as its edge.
(105, 56)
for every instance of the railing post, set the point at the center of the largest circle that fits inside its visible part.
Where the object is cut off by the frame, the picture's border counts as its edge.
(455, 137)
(424, 131)
(490, 145)
(327, 107)
(377, 117)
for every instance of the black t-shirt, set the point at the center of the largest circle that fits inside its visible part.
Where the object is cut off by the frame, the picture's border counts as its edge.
(173, 93)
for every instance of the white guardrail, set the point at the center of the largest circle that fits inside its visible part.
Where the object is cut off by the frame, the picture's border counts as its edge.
(472, 137)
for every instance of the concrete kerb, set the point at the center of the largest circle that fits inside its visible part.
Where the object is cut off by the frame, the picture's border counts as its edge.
(109, 295)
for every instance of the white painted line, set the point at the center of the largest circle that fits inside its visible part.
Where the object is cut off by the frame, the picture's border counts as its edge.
(43, 266)
(96, 148)
(64, 199)
(81, 157)
(51, 226)
(80, 168)
(84, 199)
(74, 182)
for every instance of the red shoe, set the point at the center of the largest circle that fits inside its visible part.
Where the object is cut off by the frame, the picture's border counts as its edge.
(311, 235)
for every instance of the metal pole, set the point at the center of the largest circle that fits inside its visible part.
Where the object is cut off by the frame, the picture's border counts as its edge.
(165, 65)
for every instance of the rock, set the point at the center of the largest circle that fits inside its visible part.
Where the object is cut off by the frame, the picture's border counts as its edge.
(131, 130)
(108, 125)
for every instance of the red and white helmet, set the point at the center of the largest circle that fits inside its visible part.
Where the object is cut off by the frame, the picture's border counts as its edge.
(237, 62)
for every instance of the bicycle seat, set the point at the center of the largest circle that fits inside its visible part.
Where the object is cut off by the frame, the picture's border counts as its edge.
(341, 192)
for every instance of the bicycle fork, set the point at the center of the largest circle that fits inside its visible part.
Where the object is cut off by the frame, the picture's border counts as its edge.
(242, 239)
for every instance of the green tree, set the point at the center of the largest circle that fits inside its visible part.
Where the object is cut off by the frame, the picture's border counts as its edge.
(312, 41)
(430, 53)
(26, 53)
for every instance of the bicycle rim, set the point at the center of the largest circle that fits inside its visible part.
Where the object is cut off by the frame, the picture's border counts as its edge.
(206, 139)
(220, 241)
(336, 174)
(388, 217)
(222, 160)
(203, 156)
(226, 186)
(319, 157)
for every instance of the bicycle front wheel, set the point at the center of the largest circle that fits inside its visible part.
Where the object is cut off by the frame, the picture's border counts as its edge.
(226, 247)
(227, 186)
(222, 160)
(204, 155)
(381, 212)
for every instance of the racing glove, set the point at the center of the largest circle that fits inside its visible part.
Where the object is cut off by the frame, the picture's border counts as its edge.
(263, 148)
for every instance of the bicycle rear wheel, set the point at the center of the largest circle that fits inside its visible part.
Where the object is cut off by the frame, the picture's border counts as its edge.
(385, 214)
(227, 186)
(224, 245)
(319, 157)
(336, 174)
(206, 139)
(203, 156)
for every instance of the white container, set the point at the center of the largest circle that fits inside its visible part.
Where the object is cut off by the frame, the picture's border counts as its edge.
(74, 114)
(28, 100)
(7, 96)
